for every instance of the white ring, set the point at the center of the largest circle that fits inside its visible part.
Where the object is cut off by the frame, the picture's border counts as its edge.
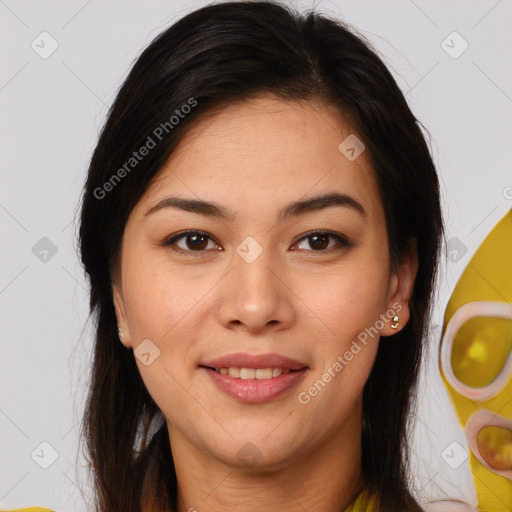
(464, 313)
(484, 418)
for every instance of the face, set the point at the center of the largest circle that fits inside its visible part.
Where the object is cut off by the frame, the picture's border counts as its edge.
(258, 275)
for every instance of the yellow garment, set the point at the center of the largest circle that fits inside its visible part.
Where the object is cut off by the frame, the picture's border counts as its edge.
(29, 509)
(363, 503)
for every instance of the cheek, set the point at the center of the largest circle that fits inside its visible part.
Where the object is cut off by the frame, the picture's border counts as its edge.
(346, 300)
(157, 299)
(160, 308)
(345, 351)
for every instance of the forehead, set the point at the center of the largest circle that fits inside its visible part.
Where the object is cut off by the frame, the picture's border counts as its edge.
(265, 150)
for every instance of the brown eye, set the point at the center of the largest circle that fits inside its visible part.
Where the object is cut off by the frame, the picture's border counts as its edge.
(319, 241)
(194, 242)
(190, 242)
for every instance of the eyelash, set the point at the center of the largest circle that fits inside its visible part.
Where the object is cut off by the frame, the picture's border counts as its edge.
(169, 242)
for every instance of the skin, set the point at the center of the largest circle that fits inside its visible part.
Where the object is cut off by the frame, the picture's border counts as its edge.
(253, 158)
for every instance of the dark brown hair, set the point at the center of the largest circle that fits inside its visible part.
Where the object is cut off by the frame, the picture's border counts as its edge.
(214, 56)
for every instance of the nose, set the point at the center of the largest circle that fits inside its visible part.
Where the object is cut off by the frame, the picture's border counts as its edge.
(255, 296)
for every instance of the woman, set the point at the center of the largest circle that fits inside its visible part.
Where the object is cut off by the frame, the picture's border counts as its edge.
(260, 225)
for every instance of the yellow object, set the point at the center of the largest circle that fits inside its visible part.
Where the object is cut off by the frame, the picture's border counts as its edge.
(480, 350)
(495, 444)
(29, 509)
(363, 503)
(476, 365)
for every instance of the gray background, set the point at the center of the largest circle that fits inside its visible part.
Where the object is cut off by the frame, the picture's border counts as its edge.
(52, 109)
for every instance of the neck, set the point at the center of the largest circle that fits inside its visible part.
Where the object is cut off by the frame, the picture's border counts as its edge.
(324, 477)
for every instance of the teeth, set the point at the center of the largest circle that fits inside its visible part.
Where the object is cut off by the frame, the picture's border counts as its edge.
(276, 372)
(252, 373)
(234, 372)
(248, 373)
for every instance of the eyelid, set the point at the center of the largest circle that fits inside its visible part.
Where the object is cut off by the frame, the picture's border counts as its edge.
(342, 240)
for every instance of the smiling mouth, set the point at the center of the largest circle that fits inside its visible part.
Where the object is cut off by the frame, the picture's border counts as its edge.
(255, 385)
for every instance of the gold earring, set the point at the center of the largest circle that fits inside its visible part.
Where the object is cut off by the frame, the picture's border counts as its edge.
(395, 323)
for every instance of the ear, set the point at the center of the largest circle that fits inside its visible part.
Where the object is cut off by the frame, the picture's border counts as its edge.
(400, 291)
(120, 309)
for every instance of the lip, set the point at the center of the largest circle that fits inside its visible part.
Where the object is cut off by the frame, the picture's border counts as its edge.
(244, 360)
(254, 390)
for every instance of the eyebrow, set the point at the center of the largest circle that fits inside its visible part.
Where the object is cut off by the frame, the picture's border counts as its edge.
(293, 209)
